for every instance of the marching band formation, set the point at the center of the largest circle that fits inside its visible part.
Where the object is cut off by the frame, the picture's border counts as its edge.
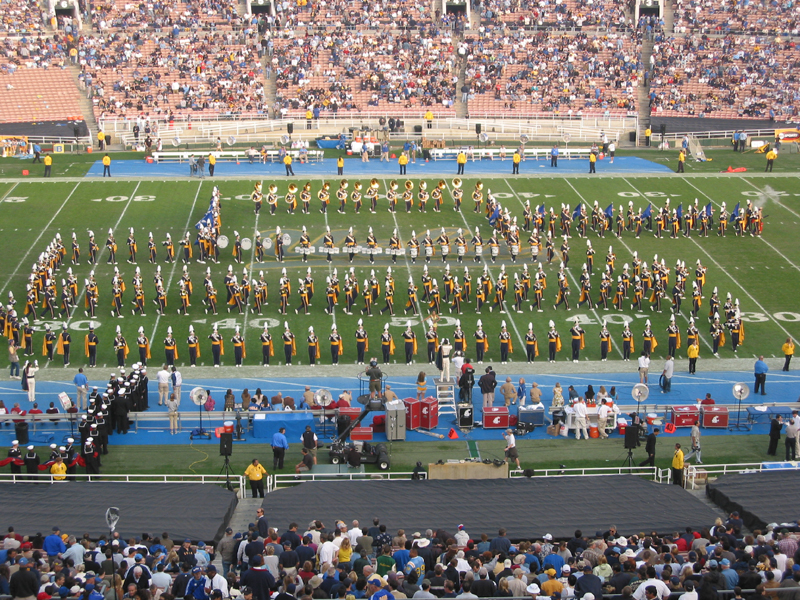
(637, 284)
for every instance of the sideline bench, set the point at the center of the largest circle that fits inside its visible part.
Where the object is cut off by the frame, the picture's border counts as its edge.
(235, 155)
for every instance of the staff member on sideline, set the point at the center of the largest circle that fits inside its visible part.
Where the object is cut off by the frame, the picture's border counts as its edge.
(788, 351)
(309, 439)
(106, 166)
(48, 164)
(677, 466)
(255, 474)
(279, 447)
(511, 447)
(760, 370)
(650, 448)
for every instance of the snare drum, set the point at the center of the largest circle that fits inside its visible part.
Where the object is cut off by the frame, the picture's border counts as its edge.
(495, 250)
(514, 249)
(428, 250)
(414, 252)
(351, 249)
(445, 249)
(478, 250)
(462, 250)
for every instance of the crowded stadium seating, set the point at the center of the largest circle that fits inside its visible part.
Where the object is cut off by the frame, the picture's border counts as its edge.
(202, 58)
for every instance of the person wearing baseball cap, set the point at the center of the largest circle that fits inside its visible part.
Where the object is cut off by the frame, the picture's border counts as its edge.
(552, 585)
(375, 588)
(24, 584)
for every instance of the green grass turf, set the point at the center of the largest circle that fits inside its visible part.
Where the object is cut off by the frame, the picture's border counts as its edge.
(760, 272)
(534, 454)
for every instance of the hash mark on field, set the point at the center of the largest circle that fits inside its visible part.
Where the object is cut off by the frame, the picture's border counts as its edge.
(8, 193)
(39, 237)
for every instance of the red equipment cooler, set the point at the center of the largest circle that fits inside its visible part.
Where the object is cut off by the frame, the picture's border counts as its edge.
(430, 413)
(714, 416)
(682, 416)
(413, 413)
(495, 417)
(352, 411)
(363, 434)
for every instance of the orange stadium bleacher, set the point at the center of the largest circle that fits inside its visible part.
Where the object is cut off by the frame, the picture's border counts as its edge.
(28, 95)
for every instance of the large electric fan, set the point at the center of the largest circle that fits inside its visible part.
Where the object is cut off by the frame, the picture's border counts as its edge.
(324, 399)
(112, 518)
(199, 397)
(740, 392)
(640, 392)
(523, 138)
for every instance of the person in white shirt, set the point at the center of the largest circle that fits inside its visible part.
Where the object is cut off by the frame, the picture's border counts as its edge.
(354, 533)
(644, 368)
(458, 361)
(177, 381)
(462, 537)
(669, 370)
(579, 408)
(215, 581)
(511, 447)
(160, 579)
(163, 385)
(446, 349)
(75, 551)
(602, 418)
(328, 550)
(652, 580)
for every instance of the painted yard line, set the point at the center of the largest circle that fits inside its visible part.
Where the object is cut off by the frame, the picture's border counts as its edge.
(778, 252)
(249, 271)
(733, 279)
(39, 237)
(175, 263)
(102, 251)
(330, 267)
(621, 241)
(411, 275)
(520, 337)
(574, 280)
(8, 193)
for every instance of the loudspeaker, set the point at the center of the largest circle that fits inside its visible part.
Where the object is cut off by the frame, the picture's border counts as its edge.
(466, 416)
(290, 128)
(225, 444)
(663, 129)
(478, 128)
(631, 437)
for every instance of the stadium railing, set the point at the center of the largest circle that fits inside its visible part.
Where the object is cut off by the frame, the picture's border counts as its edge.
(651, 473)
(237, 481)
(695, 475)
(278, 481)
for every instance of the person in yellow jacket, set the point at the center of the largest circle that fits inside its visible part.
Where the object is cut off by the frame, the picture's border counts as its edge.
(309, 117)
(771, 156)
(255, 474)
(106, 166)
(461, 159)
(693, 351)
(58, 469)
(647, 133)
(515, 160)
(287, 162)
(212, 160)
(592, 162)
(429, 119)
(788, 352)
(340, 165)
(403, 162)
(677, 466)
(48, 164)
(101, 140)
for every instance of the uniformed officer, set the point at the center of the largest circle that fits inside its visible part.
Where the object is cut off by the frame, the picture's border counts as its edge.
(15, 454)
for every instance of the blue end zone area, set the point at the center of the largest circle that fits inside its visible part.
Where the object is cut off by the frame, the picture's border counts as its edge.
(686, 390)
(375, 168)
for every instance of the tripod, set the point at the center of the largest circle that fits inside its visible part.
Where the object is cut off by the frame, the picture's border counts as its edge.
(226, 467)
(629, 462)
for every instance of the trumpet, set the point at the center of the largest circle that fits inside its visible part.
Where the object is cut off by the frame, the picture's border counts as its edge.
(273, 188)
(442, 184)
(292, 188)
(343, 184)
(393, 185)
(457, 182)
(374, 184)
(409, 184)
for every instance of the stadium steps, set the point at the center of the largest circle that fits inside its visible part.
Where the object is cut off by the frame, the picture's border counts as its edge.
(85, 104)
(462, 108)
(643, 92)
(669, 17)
(700, 494)
(270, 85)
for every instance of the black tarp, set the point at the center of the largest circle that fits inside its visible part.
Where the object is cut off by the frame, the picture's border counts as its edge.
(760, 498)
(694, 124)
(184, 510)
(53, 129)
(527, 508)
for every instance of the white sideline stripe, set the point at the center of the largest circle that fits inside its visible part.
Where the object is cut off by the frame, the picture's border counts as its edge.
(574, 281)
(175, 263)
(39, 237)
(735, 281)
(76, 308)
(778, 252)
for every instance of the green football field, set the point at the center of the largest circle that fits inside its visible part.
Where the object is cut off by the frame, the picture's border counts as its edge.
(761, 272)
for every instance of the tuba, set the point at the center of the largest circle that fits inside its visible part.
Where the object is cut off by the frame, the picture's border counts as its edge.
(479, 186)
(273, 188)
(357, 186)
(374, 184)
(393, 185)
(292, 188)
(457, 182)
(409, 184)
(442, 184)
(343, 184)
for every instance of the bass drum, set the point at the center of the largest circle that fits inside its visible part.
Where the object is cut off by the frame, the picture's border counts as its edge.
(267, 243)
(247, 243)
(223, 241)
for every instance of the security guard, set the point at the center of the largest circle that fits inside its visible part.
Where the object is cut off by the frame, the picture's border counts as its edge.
(771, 156)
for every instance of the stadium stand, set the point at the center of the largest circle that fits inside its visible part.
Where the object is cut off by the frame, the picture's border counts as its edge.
(37, 95)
